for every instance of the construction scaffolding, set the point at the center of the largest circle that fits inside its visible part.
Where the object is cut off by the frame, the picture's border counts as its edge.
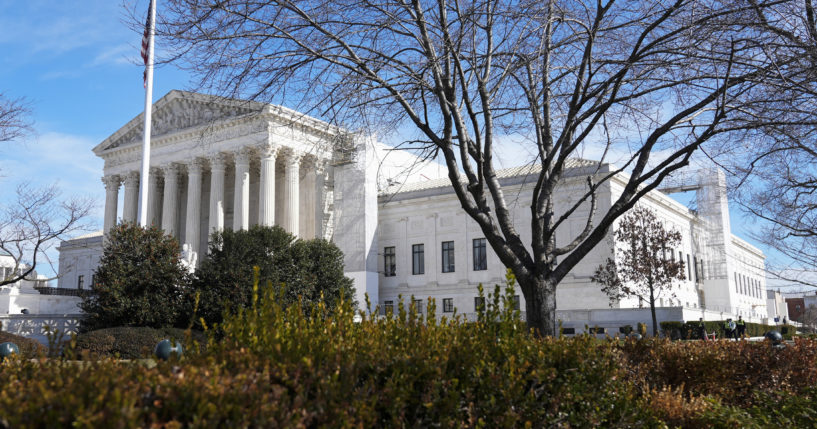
(712, 240)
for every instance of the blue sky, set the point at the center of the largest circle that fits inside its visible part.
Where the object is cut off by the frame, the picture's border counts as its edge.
(78, 64)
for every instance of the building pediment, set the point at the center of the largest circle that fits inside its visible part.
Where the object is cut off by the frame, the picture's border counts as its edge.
(178, 111)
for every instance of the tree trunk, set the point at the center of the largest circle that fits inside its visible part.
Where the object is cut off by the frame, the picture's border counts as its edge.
(540, 305)
(652, 311)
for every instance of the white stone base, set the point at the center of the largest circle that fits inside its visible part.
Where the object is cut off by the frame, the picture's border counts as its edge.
(365, 282)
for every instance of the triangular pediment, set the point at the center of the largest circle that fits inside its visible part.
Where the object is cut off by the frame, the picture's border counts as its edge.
(178, 111)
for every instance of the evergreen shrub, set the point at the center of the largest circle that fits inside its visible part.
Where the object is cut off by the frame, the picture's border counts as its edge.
(309, 271)
(127, 342)
(140, 281)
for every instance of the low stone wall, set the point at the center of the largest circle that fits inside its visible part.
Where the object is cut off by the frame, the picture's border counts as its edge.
(34, 325)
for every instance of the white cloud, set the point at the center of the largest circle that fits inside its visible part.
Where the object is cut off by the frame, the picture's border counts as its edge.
(53, 158)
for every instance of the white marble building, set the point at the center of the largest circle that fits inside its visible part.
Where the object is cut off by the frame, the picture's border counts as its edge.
(429, 247)
(220, 163)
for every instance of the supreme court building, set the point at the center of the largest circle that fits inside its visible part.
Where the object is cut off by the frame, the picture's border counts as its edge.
(221, 163)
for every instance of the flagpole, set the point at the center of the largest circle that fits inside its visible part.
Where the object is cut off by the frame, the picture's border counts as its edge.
(145, 172)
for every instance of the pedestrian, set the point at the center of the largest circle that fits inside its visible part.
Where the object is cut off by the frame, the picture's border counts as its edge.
(741, 327)
(729, 328)
(701, 329)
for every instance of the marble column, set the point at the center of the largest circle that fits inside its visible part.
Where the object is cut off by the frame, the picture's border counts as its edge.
(170, 205)
(307, 203)
(131, 203)
(292, 173)
(216, 194)
(266, 189)
(241, 200)
(191, 234)
(320, 197)
(153, 197)
(112, 183)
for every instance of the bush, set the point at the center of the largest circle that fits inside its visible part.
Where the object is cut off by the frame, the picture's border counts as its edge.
(309, 366)
(127, 342)
(689, 330)
(29, 348)
(140, 281)
(309, 270)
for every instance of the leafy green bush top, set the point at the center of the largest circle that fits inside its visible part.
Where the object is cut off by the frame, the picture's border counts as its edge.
(308, 270)
(140, 281)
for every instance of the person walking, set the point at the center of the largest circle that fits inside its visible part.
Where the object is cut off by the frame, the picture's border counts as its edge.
(701, 329)
(729, 328)
(741, 324)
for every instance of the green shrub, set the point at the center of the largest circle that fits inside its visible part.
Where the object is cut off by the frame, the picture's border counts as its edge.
(140, 281)
(311, 270)
(29, 348)
(127, 342)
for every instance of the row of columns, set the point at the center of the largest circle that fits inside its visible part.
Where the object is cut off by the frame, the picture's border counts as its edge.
(166, 195)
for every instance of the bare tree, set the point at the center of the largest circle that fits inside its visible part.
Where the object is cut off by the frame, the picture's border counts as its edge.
(651, 81)
(773, 163)
(643, 265)
(809, 318)
(34, 224)
(14, 122)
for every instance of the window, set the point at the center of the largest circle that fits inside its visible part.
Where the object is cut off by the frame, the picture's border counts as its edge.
(480, 257)
(80, 282)
(695, 265)
(448, 305)
(418, 305)
(418, 259)
(689, 268)
(479, 303)
(516, 302)
(93, 280)
(389, 262)
(737, 286)
(448, 256)
(568, 331)
(388, 307)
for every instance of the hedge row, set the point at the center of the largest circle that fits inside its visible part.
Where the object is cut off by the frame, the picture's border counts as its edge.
(689, 330)
(276, 367)
(125, 342)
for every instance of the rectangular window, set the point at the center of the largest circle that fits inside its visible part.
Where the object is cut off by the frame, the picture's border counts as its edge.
(418, 259)
(80, 282)
(737, 286)
(689, 269)
(480, 256)
(680, 256)
(388, 307)
(93, 280)
(695, 265)
(479, 303)
(448, 256)
(516, 302)
(448, 305)
(389, 262)
(418, 304)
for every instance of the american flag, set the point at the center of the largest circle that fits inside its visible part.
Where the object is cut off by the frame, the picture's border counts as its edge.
(146, 44)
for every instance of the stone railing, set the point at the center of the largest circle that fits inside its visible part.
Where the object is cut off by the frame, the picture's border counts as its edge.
(37, 326)
(63, 291)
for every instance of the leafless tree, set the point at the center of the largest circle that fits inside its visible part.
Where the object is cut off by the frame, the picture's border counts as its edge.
(14, 122)
(34, 224)
(774, 163)
(651, 81)
(643, 266)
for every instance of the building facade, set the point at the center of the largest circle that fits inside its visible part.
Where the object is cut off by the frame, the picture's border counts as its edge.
(219, 163)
